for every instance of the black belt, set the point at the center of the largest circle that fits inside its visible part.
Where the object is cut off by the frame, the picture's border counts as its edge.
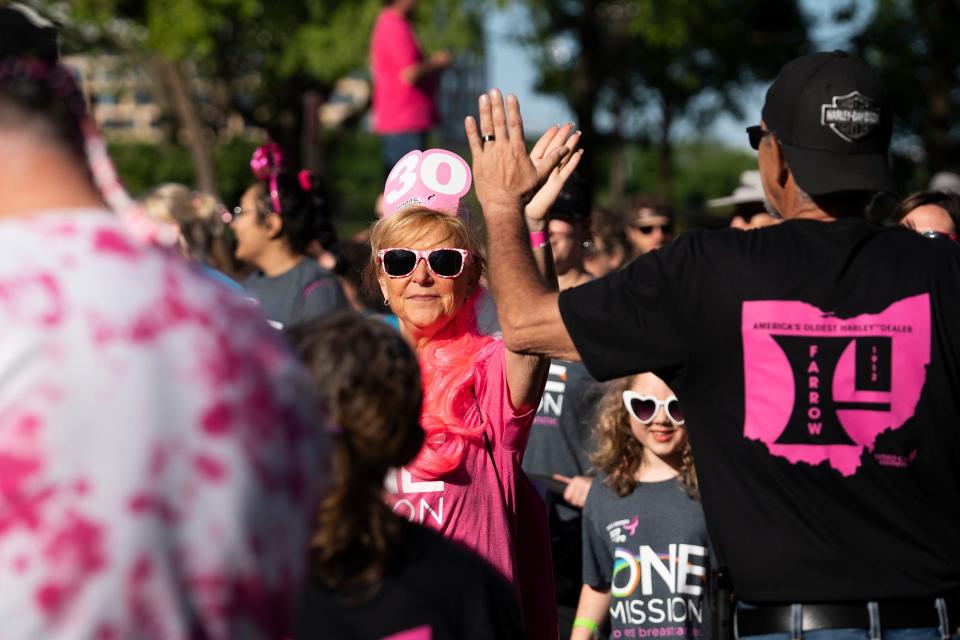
(894, 614)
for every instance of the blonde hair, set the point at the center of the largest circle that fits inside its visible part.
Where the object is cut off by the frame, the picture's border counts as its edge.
(447, 361)
(618, 453)
(195, 215)
(171, 204)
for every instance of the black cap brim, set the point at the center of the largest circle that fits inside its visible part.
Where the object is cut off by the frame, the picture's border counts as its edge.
(23, 33)
(821, 172)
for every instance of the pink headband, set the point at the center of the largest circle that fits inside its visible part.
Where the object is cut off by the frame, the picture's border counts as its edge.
(435, 179)
(266, 163)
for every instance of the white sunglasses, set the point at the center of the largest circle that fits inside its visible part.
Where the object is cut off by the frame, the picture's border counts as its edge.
(645, 408)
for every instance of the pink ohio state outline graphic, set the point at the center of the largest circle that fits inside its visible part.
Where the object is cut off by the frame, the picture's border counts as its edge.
(822, 388)
(420, 633)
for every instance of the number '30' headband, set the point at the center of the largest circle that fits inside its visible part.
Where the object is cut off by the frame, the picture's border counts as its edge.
(436, 179)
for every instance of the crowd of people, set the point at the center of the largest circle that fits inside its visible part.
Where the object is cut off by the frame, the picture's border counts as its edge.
(230, 423)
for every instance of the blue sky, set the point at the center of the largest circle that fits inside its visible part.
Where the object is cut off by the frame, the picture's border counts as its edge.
(510, 67)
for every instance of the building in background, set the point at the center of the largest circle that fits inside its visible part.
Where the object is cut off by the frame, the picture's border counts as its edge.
(121, 97)
(129, 104)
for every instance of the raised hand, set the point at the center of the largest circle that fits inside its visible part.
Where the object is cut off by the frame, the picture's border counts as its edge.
(503, 173)
(552, 139)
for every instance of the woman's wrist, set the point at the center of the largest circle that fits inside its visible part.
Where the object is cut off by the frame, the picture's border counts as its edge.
(538, 232)
(535, 224)
(538, 239)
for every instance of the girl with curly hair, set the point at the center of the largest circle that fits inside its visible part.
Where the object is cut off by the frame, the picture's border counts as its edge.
(645, 547)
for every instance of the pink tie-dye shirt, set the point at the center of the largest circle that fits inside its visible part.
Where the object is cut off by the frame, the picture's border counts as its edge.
(160, 450)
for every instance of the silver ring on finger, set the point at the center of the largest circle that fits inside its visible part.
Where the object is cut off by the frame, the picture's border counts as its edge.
(488, 137)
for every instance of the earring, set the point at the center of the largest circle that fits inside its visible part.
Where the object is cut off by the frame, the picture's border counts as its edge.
(386, 302)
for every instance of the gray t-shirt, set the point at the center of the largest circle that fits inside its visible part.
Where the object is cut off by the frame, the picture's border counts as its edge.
(650, 548)
(560, 437)
(301, 294)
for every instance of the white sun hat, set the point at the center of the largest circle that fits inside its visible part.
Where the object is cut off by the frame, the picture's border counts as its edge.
(750, 189)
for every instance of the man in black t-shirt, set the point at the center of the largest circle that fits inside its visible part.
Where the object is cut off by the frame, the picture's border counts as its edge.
(818, 361)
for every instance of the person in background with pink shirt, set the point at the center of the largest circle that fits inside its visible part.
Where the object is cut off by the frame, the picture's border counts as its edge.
(404, 82)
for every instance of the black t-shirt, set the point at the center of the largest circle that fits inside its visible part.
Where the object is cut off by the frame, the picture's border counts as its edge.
(819, 368)
(438, 590)
(560, 438)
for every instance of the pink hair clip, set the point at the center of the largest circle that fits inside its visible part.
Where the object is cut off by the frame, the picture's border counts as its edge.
(436, 179)
(265, 164)
(306, 180)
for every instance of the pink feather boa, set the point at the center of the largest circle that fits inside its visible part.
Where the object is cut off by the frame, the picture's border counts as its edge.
(448, 372)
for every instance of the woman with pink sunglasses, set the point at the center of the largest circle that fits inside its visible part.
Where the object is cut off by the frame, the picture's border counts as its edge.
(479, 397)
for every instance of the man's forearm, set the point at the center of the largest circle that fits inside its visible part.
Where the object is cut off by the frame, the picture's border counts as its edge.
(504, 175)
(524, 299)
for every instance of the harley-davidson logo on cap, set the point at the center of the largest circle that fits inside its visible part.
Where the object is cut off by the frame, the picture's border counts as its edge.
(851, 116)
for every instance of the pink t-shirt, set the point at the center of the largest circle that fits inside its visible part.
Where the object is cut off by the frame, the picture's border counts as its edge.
(466, 504)
(398, 107)
(160, 449)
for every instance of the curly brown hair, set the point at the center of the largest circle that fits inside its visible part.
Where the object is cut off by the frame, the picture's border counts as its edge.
(618, 453)
(370, 381)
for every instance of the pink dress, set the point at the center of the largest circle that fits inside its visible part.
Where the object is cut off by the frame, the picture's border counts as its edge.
(159, 448)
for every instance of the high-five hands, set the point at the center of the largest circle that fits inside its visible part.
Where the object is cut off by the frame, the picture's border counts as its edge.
(504, 176)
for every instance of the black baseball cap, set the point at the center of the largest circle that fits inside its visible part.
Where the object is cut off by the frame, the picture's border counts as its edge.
(831, 117)
(573, 202)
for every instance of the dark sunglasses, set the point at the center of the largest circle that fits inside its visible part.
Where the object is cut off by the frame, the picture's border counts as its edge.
(644, 408)
(938, 235)
(443, 263)
(756, 133)
(647, 229)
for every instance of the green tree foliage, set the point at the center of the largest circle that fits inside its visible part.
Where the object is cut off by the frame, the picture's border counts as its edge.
(257, 58)
(143, 166)
(702, 169)
(913, 46)
(666, 60)
(324, 39)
